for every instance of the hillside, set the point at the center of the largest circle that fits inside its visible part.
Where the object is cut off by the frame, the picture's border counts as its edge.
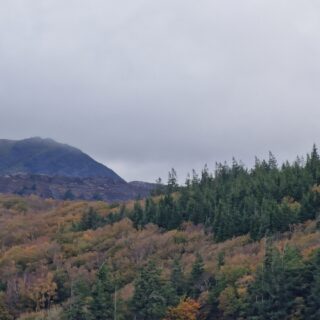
(238, 243)
(47, 257)
(70, 188)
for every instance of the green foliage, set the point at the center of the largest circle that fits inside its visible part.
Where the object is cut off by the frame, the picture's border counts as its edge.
(195, 279)
(151, 296)
(3, 286)
(102, 307)
(197, 269)
(93, 220)
(224, 296)
(68, 195)
(61, 279)
(167, 214)
(159, 189)
(235, 201)
(78, 307)
(94, 301)
(172, 181)
(281, 286)
(313, 301)
(177, 278)
(90, 220)
(220, 260)
(137, 215)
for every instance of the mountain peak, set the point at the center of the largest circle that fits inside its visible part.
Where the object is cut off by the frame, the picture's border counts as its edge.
(37, 155)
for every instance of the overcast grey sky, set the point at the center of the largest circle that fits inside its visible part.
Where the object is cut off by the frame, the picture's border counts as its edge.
(144, 86)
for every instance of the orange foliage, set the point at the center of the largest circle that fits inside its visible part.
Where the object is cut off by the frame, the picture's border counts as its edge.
(186, 310)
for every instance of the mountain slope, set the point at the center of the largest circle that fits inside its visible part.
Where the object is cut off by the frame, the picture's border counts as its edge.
(49, 246)
(71, 188)
(48, 157)
(50, 169)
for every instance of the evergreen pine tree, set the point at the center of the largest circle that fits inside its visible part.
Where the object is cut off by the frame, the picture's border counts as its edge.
(149, 301)
(78, 308)
(90, 220)
(195, 281)
(220, 259)
(137, 215)
(313, 164)
(102, 306)
(150, 211)
(278, 286)
(313, 305)
(177, 278)
(172, 181)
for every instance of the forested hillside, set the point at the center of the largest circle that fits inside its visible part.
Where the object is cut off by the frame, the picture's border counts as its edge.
(236, 201)
(235, 244)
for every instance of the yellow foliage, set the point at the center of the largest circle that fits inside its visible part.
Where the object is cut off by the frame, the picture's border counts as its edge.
(186, 310)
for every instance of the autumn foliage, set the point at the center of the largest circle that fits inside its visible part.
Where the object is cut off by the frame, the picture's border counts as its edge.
(187, 309)
(44, 254)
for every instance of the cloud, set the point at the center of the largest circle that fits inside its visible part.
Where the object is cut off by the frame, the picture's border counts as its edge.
(143, 86)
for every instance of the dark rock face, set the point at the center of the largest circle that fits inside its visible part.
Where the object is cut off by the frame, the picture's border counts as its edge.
(48, 157)
(53, 170)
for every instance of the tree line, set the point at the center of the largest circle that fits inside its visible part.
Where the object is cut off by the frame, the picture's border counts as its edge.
(234, 200)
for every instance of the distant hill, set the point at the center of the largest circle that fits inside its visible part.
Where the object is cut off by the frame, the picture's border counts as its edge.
(54, 170)
(48, 157)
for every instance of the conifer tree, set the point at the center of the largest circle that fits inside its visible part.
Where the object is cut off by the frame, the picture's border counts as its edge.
(313, 308)
(177, 277)
(220, 259)
(137, 215)
(196, 276)
(274, 292)
(78, 308)
(149, 301)
(150, 211)
(102, 306)
(313, 164)
(172, 181)
(90, 220)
